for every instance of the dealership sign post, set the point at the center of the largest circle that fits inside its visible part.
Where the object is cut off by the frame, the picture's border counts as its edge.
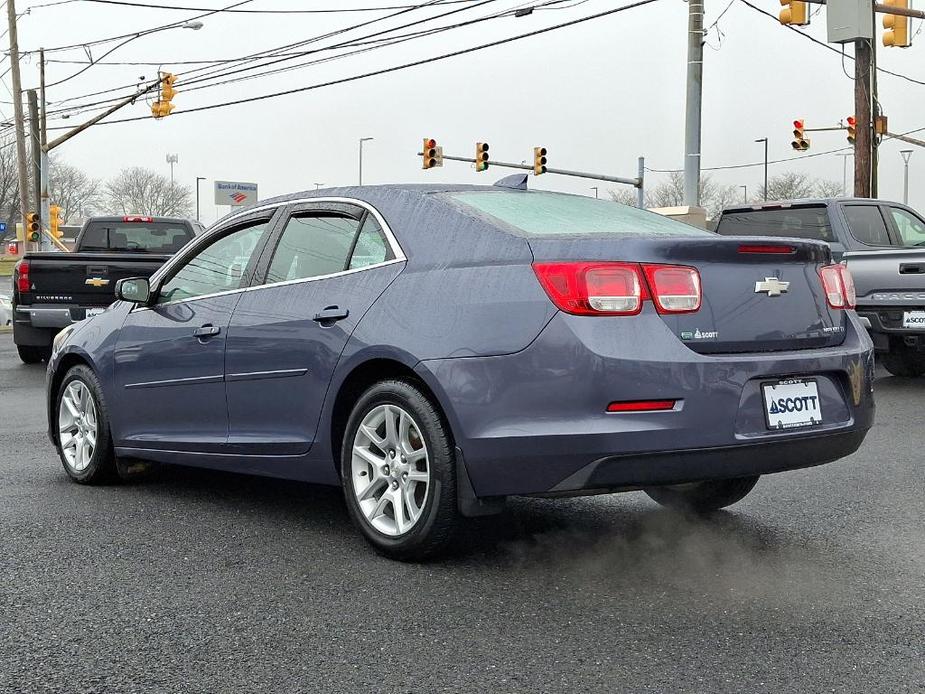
(235, 193)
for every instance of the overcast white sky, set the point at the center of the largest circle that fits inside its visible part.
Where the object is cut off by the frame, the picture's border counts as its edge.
(597, 95)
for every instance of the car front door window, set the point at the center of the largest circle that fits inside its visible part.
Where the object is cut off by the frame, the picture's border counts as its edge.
(911, 229)
(219, 267)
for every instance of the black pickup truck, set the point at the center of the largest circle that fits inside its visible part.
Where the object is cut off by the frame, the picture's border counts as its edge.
(882, 243)
(52, 290)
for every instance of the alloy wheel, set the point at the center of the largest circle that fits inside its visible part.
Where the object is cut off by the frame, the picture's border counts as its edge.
(390, 470)
(77, 425)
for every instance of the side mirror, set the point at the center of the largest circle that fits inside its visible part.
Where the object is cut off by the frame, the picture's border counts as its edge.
(134, 289)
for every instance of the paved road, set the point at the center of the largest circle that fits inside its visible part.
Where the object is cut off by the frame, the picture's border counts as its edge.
(212, 582)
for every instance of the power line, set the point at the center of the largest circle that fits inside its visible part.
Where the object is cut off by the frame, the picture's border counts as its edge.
(339, 10)
(396, 68)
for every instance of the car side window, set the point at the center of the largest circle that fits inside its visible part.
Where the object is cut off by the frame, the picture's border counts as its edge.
(371, 247)
(313, 245)
(911, 229)
(218, 267)
(866, 225)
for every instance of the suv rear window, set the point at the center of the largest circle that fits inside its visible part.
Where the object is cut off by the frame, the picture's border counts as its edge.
(794, 222)
(150, 237)
(557, 214)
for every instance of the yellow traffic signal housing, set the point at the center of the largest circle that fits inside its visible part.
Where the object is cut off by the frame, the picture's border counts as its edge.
(800, 143)
(33, 227)
(481, 156)
(55, 221)
(431, 154)
(795, 13)
(539, 160)
(897, 26)
(162, 107)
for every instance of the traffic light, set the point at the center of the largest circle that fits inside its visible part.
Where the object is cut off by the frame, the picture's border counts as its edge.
(897, 26)
(162, 107)
(55, 221)
(481, 156)
(800, 143)
(33, 227)
(852, 129)
(795, 13)
(432, 154)
(539, 160)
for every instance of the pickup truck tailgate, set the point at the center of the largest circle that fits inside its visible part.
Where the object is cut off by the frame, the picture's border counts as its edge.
(888, 277)
(86, 279)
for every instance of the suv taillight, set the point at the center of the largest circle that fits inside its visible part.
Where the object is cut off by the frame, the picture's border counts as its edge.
(838, 285)
(619, 289)
(21, 270)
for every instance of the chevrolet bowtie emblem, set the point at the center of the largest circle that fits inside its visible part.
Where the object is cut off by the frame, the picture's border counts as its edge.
(771, 285)
(100, 282)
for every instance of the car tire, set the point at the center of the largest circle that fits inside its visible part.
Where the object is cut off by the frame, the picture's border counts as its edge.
(410, 460)
(30, 354)
(83, 439)
(903, 363)
(703, 497)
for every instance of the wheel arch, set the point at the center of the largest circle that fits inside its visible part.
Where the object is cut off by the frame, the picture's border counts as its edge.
(64, 364)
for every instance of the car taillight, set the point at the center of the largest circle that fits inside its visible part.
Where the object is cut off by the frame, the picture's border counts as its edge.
(766, 248)
(137, 218)
(838, 285)
(593, 288)
(674, 288)
(22, 276)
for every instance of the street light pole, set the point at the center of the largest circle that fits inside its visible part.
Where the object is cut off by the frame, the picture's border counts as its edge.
(172, 159)
(362, 140)
(744, 193)
(906, 154)
(765, 141)
(844, 172)
(198, 178)
(318, 185)
(594, 188)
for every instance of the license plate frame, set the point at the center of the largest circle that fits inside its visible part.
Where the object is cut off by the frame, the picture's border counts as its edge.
(917, 316)
(792, 388)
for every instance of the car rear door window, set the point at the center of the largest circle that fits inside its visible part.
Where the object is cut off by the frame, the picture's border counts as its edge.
(866, 225)
(911, 229)
(218, 267)
(371, 247)
(313, 245)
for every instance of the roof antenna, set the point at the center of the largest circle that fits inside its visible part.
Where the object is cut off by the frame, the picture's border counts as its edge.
(514, 182)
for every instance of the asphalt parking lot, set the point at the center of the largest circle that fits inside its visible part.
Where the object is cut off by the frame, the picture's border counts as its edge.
(209, 582)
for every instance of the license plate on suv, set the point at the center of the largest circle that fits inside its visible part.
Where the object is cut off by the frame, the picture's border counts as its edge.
(914, 319)
(791, 403)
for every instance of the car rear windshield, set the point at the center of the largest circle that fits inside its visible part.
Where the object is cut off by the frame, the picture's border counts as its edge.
(793, 222)
(145, 237)
(555, 214)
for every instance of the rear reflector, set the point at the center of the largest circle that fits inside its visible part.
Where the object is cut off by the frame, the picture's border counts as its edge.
(766, 248)
(593, 288)
(838, 285)
(641, 406)
(137, 218)
(21, 270)
(675, 288)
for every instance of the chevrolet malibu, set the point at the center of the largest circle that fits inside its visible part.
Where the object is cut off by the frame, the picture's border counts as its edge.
(436, 349)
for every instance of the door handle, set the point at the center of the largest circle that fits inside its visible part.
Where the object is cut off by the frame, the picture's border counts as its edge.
(911, 269)
(207, 331)
(331, 314)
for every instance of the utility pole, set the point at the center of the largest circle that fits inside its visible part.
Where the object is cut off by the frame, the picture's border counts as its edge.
(863, 149)
(35, 140)
(44, 170)
(765, 141)
(694, 94)
(844, 171)
(17, 112)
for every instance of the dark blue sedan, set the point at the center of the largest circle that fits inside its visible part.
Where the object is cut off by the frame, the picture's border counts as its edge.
(436, 349)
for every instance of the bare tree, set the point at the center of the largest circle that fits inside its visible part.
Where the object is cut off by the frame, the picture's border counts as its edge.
(624, 196)
(9, 183)
(670, 193)
(792, 185)
(78, 195)
(137, 190)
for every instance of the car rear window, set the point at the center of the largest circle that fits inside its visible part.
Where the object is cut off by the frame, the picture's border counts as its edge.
(150, 237)
(793, 222)
(556, 214)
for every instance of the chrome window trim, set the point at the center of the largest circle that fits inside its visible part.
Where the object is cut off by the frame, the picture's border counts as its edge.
(397, 251)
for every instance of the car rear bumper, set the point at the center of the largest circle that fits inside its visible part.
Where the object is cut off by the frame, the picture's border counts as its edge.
(535, 422)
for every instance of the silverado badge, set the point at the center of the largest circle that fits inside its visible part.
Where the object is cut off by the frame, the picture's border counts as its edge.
(96, 282)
